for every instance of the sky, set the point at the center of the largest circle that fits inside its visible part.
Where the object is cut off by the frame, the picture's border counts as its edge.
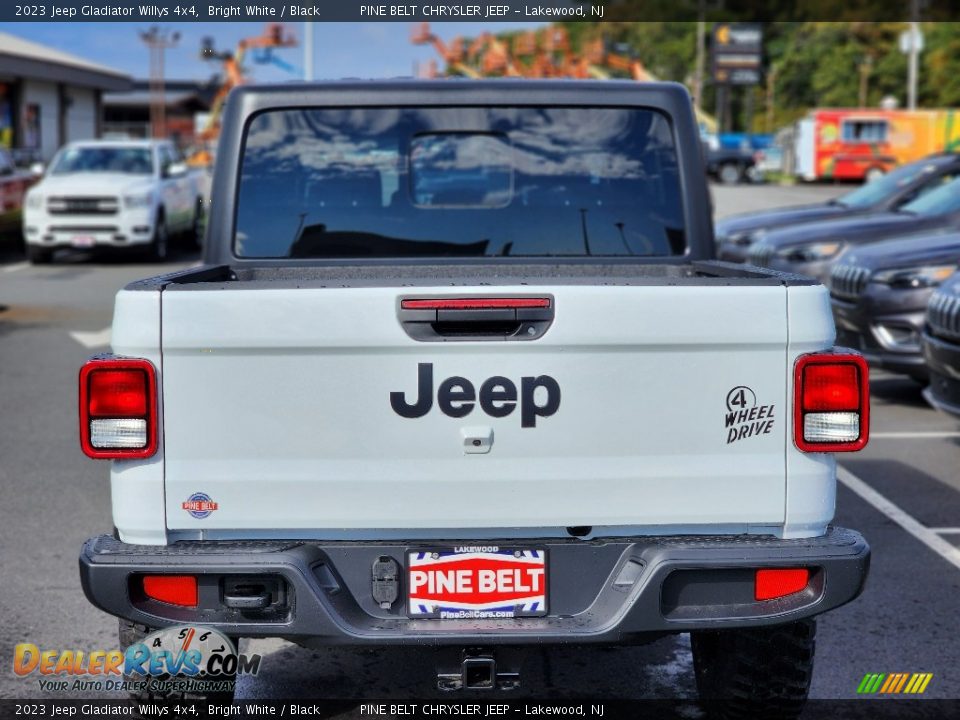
(362, 50)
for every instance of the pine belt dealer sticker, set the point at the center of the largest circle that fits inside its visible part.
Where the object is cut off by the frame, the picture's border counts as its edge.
(744, 417)
(199, 505)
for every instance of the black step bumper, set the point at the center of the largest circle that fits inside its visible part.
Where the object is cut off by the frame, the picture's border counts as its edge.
(612, 590)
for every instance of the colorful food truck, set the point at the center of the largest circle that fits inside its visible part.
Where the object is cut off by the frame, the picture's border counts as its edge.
(864, 143)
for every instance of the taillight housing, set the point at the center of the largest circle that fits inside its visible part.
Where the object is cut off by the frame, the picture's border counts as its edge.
(118, 408)
(831, 403)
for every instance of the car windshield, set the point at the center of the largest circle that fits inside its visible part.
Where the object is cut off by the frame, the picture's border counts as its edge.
(945, 199)
(877, 191)
(103, 159)
(459, 181)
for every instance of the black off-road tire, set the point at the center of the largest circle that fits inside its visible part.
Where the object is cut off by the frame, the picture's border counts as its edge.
(197, 229)
(132, 633)
(159, 247)
(730, 173)
(756, 673)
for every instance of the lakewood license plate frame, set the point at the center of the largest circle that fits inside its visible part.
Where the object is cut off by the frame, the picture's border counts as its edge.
(473, 559)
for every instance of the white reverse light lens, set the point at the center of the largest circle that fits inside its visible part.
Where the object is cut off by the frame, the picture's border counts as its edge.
(118, 433)
(831, 427)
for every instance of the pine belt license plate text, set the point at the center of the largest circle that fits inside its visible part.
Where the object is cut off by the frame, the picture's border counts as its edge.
(476, 582)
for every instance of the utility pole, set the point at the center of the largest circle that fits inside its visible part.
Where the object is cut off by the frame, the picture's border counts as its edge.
(914, 52)
(158, 40)
(308, 51)
(865, 67)
(701, 54)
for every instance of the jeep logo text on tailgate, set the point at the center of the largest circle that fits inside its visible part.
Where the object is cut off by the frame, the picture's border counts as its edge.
(457, 396)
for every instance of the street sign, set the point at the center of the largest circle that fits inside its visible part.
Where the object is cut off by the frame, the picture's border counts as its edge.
(736, 76)
(909, 38)
(737, 52)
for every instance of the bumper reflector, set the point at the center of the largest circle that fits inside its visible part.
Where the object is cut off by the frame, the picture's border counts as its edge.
(172, 589)
(118, 433)
(831, 427)
(774, 583)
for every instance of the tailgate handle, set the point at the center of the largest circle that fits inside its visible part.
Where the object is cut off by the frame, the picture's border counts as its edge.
(476, 318)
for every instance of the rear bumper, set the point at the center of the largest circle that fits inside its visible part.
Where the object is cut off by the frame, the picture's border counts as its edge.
(605, 591)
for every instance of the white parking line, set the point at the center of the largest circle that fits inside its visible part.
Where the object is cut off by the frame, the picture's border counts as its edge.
(921, 532)
(946, 531)
(16, 267)
(919, 434)
(92, 339)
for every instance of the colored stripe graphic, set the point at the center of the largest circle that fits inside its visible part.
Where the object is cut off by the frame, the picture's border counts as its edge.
(891, 681)
(894, 683)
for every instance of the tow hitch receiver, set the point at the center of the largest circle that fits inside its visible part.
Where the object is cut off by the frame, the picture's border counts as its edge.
(478, 671)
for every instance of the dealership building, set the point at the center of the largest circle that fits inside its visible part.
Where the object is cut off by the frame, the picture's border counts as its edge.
(49, 97)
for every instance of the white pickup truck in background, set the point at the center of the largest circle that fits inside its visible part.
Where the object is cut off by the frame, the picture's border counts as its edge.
(459, 371)
(123, 194)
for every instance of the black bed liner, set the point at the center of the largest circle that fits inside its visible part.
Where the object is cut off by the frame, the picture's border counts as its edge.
(705, 272)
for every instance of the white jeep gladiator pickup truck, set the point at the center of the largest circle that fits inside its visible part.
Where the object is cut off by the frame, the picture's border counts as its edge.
(458, 371)
(113, 194)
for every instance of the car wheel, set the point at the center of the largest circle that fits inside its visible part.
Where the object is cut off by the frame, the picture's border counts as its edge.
(160, 245)
(133, 633)
(38, 255)
(754, 673)
(874, 173)
(196, 231)
(730, 173)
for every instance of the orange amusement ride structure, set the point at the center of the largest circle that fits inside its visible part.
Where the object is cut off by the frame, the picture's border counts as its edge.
(545, 53)
(274, 36)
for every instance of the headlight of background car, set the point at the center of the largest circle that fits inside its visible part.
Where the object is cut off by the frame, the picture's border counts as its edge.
(34, 200)
(812, 252)
(749, 238)
(140, 200)
(918, 277)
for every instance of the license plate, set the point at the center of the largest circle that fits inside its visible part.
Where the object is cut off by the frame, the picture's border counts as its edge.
(83, 241)
(476, 582)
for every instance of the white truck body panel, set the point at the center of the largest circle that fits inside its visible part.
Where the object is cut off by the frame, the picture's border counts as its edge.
(276, 405)
(136, 486)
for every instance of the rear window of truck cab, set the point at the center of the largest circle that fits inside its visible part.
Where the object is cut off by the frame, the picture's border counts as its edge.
(459, 182)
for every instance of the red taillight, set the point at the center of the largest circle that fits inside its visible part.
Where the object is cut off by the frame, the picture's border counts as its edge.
(773, 583)
(831, 388)
(118, 408)
(474, 303)
(831, 402)
(118, 393)
(173, 589)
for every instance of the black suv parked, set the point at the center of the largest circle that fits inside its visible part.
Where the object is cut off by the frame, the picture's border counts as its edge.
(879, 295)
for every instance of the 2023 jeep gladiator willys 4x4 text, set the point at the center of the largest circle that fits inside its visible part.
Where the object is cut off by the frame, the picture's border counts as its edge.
(458, 371)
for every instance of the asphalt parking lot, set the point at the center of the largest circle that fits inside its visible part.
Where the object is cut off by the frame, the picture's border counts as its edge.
(902, 493)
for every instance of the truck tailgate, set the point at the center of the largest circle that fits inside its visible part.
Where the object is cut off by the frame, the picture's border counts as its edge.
(277, 409)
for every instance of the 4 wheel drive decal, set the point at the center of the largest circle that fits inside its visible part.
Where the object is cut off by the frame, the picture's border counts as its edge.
(498, 397)
(744, 417)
